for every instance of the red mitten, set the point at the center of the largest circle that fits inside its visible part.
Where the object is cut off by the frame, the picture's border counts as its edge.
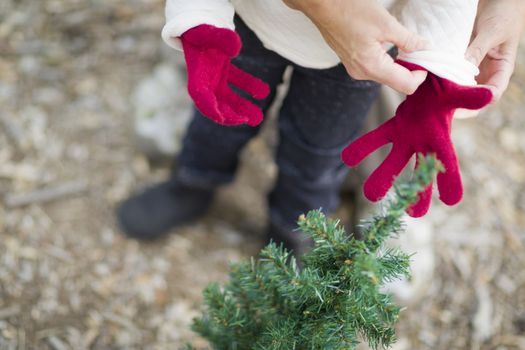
(208, 51)
(422, 124)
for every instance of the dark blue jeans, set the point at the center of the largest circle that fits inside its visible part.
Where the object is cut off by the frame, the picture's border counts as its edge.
(323, 111)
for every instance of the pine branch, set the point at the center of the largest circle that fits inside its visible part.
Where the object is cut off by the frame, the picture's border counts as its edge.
(336, 298)
(406, 193)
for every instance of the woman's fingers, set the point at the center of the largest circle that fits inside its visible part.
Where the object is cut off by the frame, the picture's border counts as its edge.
(392, 74)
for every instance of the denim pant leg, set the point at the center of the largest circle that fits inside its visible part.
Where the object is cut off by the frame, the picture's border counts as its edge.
(210, 152)
(323, 112)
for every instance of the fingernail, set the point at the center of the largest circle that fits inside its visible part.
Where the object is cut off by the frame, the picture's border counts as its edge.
(470, 58)
(496, 96)
(419, 78)
(419, 75)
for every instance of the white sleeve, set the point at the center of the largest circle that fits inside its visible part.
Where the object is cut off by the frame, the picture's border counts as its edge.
(448, 25)
(182, 15)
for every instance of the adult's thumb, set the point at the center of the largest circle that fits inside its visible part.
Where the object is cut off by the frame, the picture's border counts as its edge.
(479, 47)
(403, 38)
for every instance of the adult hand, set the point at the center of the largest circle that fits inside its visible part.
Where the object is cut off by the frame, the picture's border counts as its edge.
(495, 42)
(421, 124)
(356, 30)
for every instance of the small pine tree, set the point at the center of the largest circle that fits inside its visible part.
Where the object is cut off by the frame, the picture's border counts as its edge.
(332, 302)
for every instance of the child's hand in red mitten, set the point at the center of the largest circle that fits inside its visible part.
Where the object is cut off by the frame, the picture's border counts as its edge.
(208, 51)
(422, 124)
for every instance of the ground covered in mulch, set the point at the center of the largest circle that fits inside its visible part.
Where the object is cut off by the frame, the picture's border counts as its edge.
(70, 280)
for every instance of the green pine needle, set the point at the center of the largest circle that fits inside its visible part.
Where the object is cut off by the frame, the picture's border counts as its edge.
(333, 301)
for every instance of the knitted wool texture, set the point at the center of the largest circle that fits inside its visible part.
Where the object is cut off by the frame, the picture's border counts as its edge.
(208, 52)
(422, 124)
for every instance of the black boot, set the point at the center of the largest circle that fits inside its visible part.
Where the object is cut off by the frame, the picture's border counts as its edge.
(157, 210)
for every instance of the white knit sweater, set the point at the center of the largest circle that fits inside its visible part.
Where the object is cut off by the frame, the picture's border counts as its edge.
(447, 24)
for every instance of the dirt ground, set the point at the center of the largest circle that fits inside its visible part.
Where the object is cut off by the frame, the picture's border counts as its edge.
(70, 280)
